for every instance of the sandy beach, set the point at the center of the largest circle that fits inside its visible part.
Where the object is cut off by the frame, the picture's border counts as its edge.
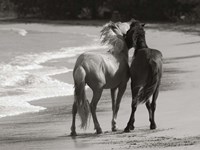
(177, 114)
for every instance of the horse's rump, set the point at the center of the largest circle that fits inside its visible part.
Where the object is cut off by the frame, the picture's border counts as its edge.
(148, 78)
(153, 81)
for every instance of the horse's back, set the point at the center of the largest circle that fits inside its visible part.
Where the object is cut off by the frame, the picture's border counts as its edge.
(90, 62)
(145, 62)
(103, 69)
(96, 62)
(145, 56)
(148, 53)
(87, 58)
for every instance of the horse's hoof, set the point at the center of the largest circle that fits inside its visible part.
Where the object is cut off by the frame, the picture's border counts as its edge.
(153, 126)
(73, 133)
(114, 129)
(131, 127)
(99, 131)
(127, 130)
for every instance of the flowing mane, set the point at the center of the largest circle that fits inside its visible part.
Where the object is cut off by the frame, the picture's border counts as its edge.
(112, 34)
(108, 70)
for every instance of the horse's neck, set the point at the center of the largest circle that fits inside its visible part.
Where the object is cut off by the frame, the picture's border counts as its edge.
(123, 54)
(141, 43)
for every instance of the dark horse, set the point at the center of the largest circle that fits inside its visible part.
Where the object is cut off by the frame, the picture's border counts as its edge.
(146, 72)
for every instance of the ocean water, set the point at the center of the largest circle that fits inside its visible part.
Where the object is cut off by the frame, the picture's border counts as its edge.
(24, 50)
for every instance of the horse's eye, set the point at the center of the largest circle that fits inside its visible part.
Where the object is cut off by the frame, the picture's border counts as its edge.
(132, 25)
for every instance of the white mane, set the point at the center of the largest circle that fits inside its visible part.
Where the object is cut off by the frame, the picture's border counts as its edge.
(112, 34)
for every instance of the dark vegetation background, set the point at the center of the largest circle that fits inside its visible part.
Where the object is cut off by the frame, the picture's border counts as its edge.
(118, 10)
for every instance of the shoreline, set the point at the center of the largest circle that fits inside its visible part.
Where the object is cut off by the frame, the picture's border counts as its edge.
(57, 22)
(163, 26)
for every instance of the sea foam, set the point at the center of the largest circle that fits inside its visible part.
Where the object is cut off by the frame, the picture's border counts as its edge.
(19, 31)
(26, 79)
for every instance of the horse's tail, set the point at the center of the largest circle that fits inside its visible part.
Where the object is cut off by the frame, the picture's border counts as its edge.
(83, 106)
(154, 79)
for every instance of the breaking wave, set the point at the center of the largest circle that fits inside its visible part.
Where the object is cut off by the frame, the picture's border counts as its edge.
(26, 79)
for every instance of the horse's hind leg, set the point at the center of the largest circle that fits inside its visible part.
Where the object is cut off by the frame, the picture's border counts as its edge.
(120, 93)
(113, 94)
(93, 105)
(130, 124)
(153, 108)
(74, 112)
(148, 105)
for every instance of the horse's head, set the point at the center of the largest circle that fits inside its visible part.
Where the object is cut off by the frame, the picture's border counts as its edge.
(113, 34)
(134, 33)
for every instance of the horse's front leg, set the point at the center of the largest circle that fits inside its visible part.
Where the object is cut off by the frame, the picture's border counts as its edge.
(93, 106)
(121, 90)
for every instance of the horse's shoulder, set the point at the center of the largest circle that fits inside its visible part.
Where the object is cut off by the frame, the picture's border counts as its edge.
(155, 56)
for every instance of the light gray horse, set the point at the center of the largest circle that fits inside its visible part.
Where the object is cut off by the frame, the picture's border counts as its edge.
(108, 70)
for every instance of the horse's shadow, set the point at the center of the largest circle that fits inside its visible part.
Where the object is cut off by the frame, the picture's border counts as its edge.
(94, 135)
(85, 140)
(119, 132)
(110, 133)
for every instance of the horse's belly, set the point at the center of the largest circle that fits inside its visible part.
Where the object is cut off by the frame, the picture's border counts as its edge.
(111, 84)
(115, 81)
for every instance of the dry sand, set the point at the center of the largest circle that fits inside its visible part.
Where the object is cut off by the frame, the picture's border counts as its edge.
(177, 114)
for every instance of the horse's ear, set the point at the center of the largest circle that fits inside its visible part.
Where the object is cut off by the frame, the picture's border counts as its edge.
(132, 20)
(142, 24)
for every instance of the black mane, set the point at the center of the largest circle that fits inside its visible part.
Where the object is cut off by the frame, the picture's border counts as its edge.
(135, 36)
